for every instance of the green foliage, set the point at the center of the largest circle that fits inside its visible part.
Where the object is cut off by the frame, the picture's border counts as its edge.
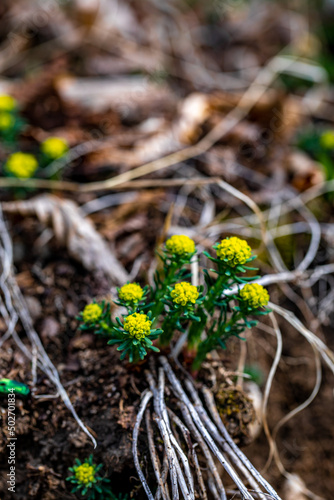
(23, 165)
(88, 482)
(11, 124)
(319, 144)
(135, 335)
(255, 374)
(181, 302)
(97, 317)
(294, 83)
(210, 315)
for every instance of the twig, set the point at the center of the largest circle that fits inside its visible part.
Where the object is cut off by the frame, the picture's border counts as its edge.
(211, 464)
(139, 418)
(172, 459)
(212, 487)
(219, 439)
(238, 457)
(179, 392)
(186, 435)
(187, 493)
(155, 459)
(268, 387)
(326, 354)
(201, 484)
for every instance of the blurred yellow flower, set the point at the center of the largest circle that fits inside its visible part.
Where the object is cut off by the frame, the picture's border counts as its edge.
(21, 165)
(327, 139)
(6, 121)
(54, 147)
(91, 313)
(7, 103)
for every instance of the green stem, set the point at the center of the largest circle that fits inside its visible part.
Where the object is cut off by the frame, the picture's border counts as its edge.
(168, 326)
(204, 311)
(159, 294)
(211, 342)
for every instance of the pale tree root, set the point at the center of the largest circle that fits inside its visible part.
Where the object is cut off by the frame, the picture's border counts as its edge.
(193, 434)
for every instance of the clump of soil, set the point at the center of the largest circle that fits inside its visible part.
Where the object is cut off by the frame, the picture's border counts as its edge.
(236, 411)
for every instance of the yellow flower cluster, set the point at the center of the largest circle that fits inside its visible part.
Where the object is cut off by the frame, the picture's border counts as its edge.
(180, 245)
(131, 292)
(327, 139)
(91, 313)
(254, 295)
(85, 473)
(6, 121)
(7, 103)
(54, 147)
(21, 165)
(234, 251)
(137, 325)
(184, 293)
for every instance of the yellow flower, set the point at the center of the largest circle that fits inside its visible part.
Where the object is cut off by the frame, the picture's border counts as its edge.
(254, 295)
(132, 292)
(54, 147)
(6, 121)
(327, 139)
(91, 313)
(7, 103)
(184, 293)
(85, 473)
(137, 325)
(234, 251)
(22, 165)
(180, 245)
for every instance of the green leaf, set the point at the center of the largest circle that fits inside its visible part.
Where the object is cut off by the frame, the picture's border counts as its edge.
(153, 348)
(119, 322)
(114, 341)
(124, 345)
(122, 356)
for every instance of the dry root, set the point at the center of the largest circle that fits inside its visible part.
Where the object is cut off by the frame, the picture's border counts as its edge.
(195, 435)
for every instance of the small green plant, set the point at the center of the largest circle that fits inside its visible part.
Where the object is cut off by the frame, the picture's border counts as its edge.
(89, 483)
(96, 317)
(51, 150)
(11, 124)
(209, 315)
(20, 164)
(135, 335)
(54, 148)
(25, 165)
